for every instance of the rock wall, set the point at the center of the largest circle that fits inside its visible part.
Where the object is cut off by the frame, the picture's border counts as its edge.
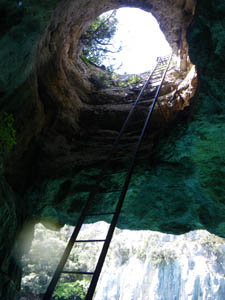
(153, 266)
(184, 186)
(55, 85)
(140, 265)
(10, 272)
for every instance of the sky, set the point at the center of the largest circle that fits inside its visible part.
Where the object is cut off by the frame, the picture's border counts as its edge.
(141, 39)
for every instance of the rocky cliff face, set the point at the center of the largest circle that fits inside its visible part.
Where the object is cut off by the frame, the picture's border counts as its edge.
(140, 265)
(155, 266)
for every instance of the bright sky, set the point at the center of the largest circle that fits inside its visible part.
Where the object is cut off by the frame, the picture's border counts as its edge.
(141, 39)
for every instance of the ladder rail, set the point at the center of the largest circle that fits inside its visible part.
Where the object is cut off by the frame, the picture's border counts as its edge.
(130, 114)
(58, 271)
(122, 196)
(92, 194)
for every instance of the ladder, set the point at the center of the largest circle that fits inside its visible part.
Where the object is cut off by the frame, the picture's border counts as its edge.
(157, 77)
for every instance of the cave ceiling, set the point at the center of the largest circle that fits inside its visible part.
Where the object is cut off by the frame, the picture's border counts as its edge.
(179, 186)
(63, 98)
(55, 104)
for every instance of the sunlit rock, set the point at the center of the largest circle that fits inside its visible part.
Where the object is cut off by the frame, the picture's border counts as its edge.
(140, 265)
(179, 185)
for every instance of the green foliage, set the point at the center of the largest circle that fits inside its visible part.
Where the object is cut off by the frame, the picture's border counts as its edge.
(141, 254)
(71, 290)
(84, 58)
(126, 248)
(129, 81)
(110, 79)
(134, 79)
(210, 241)
(7, 132)
(163, 256)
(95, 42)
(123, 253)
(40, 263)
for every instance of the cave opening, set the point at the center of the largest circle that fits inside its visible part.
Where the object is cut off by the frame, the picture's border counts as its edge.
(66, 89)
(177, 91)
(141, 263)
(65, 122)
(123, 44)
(131, 46)
(117, 89)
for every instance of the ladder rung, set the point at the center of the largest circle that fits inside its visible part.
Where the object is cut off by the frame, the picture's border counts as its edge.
(155, 79)
(88, 241)
(161, 65)
(100, 214)
(78, 272)
(157, 72)
(154, 83)
(161, 68)
(125, 185)
(157, 76)
(146, 103)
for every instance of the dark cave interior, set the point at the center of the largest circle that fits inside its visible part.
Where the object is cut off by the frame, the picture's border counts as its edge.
(54, 104)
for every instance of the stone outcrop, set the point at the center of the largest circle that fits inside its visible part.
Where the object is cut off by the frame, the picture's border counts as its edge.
(153, 266)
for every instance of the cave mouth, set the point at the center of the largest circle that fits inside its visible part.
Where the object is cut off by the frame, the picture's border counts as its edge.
(81, 120)
(64, 77)
(134, 46)
(131, 252)
(78, 104)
